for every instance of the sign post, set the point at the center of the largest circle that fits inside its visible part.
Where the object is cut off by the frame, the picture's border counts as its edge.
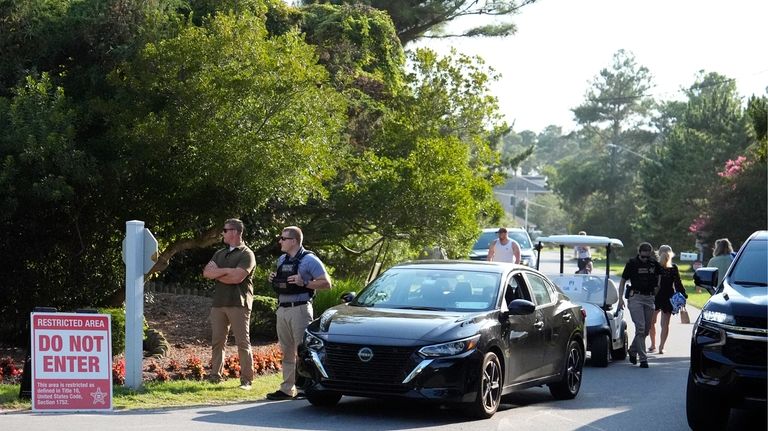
(72, 361)
(139, 255)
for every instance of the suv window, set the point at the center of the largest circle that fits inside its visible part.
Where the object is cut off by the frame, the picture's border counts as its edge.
(749, 270)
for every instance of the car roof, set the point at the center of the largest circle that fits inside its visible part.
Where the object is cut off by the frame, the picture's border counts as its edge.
(574, 240)
(461, 265)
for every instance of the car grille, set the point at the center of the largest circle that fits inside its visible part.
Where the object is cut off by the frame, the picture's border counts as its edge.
(387, 367)
(746, 352)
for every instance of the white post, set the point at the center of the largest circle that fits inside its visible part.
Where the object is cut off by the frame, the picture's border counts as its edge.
(134, 301)
(526, 209)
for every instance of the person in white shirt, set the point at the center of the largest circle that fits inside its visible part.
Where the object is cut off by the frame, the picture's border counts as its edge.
(504, 249)
(583, 255)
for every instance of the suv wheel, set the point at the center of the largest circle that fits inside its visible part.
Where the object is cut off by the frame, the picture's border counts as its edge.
(705, 411)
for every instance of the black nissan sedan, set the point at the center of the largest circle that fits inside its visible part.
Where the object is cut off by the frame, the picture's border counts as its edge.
(452, 332)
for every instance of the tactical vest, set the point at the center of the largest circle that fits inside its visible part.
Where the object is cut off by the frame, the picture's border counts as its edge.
(290, 266)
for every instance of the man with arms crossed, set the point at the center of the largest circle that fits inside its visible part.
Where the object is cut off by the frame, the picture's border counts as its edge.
(231, 268)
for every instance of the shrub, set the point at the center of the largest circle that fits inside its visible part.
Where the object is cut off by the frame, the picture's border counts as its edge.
(118, 372)
(325, 299)
(263, 320)
(195, 367)
(9, 373)
(118, 328)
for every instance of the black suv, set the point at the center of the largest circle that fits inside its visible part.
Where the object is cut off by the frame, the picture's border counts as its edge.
(728, 347)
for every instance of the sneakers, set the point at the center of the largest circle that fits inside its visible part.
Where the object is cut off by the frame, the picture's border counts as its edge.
(279, 395)
(644, 364)
(245, 386)
(633, 358)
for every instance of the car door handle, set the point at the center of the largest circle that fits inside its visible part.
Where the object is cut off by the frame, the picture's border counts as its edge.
(538, 325)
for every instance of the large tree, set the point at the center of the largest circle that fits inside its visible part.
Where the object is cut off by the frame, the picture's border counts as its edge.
(597, 182)
(698, 136)
(415, 19)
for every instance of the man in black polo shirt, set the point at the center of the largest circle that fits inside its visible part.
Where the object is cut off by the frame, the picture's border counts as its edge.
(644, 273)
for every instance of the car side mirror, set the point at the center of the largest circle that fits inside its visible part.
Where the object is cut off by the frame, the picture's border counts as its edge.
(521, 307)
(706, 278)
(348, 297)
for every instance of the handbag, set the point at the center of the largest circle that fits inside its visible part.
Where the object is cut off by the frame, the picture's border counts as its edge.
(684, 317)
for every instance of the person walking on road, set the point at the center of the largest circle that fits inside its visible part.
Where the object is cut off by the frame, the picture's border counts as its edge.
(504, 249)
(299, 274)
(231, 268)
(669, 284)
(643, 273)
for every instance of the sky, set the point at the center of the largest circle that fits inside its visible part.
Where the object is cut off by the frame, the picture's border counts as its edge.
(561, 45)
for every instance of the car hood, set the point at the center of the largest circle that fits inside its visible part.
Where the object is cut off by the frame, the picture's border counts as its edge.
(741, 301)
(350, 322)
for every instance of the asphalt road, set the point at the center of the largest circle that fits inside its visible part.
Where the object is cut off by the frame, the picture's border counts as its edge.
(620, 396)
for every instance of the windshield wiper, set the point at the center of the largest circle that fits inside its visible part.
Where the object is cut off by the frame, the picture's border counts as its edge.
(358, 304)
(420, 307)
(751, 283)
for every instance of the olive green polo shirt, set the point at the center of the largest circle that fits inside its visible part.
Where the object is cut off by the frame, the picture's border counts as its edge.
(234, 295)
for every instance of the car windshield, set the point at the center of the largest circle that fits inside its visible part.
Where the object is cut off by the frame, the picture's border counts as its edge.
(430, 289)
(485, 239)
(749, 270)
(585, 287)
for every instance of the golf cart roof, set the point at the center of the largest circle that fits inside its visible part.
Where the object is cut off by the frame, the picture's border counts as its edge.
(574, 240)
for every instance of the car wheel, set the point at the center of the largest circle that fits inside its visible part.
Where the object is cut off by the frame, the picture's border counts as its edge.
(568, 387)
(621, 353)
(599, 350)
(322, 398)
(705, 411)
(489, 391)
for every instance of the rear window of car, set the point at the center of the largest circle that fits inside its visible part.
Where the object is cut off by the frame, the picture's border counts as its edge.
(750, 269)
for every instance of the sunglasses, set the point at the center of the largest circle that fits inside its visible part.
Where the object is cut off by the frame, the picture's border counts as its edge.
(227, 229)
(285, 238)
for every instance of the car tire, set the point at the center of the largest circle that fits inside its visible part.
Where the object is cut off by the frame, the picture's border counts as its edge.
(600, 350)
(705, 411)
(570, 383)
(621, 353)
(322, 398)
(490, 384)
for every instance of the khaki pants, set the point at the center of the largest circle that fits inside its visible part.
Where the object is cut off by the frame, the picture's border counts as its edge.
(291, 323)
(221, 320)
(641, 309)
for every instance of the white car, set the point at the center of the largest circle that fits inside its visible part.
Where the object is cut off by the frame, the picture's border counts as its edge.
(597, 294)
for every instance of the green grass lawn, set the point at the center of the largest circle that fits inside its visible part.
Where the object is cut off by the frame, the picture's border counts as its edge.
(154, 395)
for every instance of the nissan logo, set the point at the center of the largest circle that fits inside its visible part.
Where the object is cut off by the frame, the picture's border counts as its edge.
(365, 354)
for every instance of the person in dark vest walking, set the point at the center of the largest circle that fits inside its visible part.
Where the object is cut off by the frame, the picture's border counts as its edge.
(644, 273)
(298, 275)
(231, 268)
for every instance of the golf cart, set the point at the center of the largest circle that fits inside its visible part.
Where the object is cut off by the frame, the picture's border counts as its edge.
(597, 294)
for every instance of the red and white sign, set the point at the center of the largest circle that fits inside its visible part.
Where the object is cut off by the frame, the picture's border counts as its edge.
(71, 362)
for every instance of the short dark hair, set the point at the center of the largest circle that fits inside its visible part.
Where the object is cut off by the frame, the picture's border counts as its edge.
(644, 246)
(501, 229)
(236, 223)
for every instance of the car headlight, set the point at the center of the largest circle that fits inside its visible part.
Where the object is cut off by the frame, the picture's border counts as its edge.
(312, 342)
(718, 317)
(451, 348)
